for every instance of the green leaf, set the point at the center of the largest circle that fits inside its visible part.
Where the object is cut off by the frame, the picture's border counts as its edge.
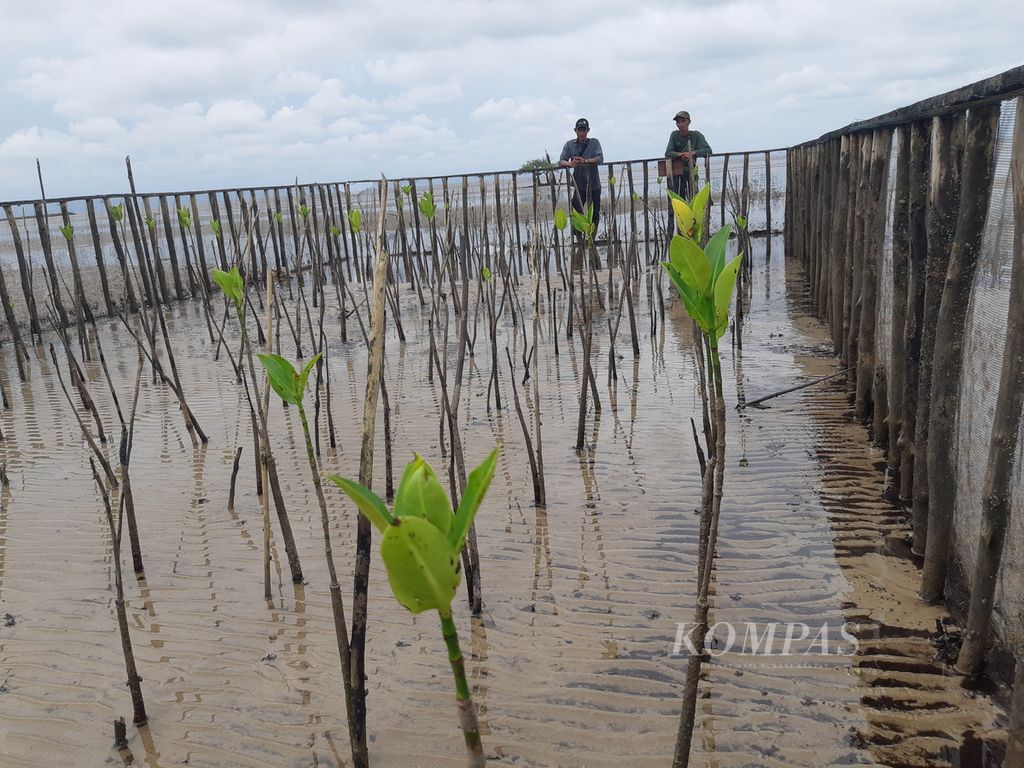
(486, 274)
(355, 220)
(421, 564)
(691, 263)
(304, 210)
(686, 222)
(407, 189)
(151, 223)
(117, 212)
(611, 180)
(715, 251)
(282, 377)
(420, 494)
(426, 205)
(476, 487)
(335, 231)
(215, 226)
(278, 217)
(68, 231)
(300, 383)
(741, 222)
(699, 203)
(561, 220)
(370, 504)
(583, 223)
(723, 291)
(185, 218)
(636, 196)
(698, 307)
(231, 283)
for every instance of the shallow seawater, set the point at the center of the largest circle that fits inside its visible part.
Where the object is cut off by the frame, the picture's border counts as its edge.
(572, 661)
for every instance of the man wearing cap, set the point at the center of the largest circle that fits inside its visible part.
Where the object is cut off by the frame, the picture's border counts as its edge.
(688, 145)
(583, 154)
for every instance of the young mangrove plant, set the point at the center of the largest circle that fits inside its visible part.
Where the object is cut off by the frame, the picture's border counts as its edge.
(584, 224)
(233, 285)
(420, 546)
(705, 283)
(290, 386)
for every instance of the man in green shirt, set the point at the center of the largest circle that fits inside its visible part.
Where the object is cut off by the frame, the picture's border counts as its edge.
(688, 145)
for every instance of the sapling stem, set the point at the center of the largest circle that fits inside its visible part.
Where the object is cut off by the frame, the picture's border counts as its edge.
(463, 697)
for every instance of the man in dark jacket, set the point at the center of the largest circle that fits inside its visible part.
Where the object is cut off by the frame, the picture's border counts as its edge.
(583, 154)
(688, 145)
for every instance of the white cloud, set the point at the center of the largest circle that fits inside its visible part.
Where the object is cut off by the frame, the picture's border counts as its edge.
(256, 91)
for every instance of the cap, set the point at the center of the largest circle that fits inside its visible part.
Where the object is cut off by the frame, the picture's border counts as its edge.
(682, 113)
(582, 124)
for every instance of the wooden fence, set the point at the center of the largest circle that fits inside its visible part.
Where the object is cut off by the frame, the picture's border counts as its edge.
(172, 239)
(908, 227)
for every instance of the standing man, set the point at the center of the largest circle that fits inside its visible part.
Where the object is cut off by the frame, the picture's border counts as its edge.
(583, 154)
(688, 145)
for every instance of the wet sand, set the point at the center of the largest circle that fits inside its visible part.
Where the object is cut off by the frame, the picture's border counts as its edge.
(571, 662)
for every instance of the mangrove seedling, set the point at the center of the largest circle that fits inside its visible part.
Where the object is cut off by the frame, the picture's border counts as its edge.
(705, 283)
(584, 222)
(355, 220)
(420, 548)
(561, 220)
(427, 205)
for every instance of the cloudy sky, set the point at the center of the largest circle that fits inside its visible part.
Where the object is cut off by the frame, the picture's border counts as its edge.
(220, 93)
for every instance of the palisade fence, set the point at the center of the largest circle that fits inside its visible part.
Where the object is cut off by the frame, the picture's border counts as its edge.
(909, 227)
(495, 213)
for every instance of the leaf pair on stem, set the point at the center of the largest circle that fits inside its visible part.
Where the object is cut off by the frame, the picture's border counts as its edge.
(704, 280)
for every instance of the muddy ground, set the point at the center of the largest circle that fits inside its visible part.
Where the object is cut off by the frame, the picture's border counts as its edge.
(572, 662)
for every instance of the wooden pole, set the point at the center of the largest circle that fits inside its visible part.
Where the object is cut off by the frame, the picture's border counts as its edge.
(900, 282)
(197, 226)
(122, 255)
(874, 232)
(940, 216)
(999, 484)
(25, 269)
(101, 266)
(361, 574)
(918, 251)
(982, 125)
(172, 251)
(1015, 741)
